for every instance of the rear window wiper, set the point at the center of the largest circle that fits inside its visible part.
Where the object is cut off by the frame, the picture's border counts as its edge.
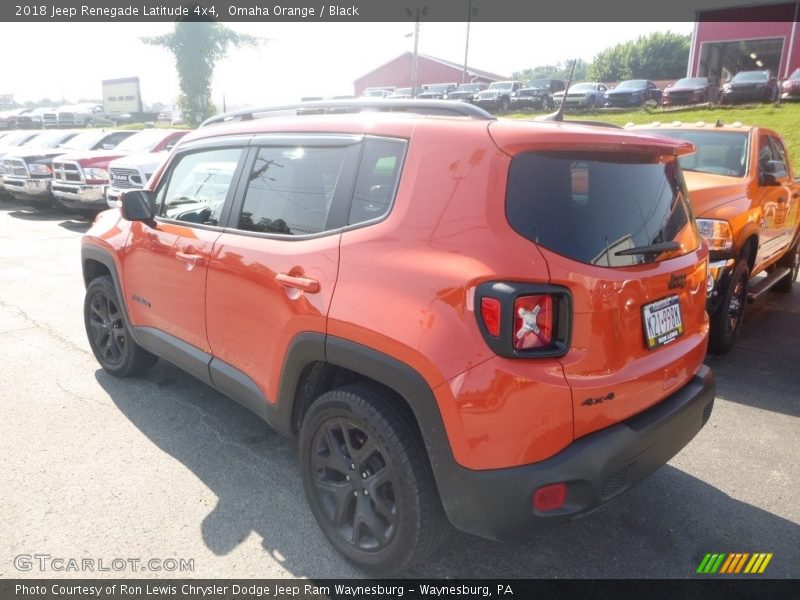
(650, 249)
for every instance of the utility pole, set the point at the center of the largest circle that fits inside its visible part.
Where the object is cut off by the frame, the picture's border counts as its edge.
(420, 10)
(466, 45)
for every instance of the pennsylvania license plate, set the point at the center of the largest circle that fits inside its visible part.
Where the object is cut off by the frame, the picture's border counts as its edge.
(662, 321)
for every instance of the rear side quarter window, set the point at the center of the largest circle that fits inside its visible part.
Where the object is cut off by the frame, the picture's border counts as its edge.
(377, 180)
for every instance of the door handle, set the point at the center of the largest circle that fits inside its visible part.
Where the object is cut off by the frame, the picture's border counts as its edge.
(194, 259)
(305, 284)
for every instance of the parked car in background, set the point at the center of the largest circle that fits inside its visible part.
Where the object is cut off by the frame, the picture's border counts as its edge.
(538, 95)
(790, 88)
(750, 86)
(586, 95)
(747, 204)
(75, 115)
(377, 92)
(11, 141)
(437, 91)
(498, 95)
(460, 318)
(10, 119)
(27, 170)
(401, 93)
(691, 90)
(80, 179)
(633, 92)
(134, 170)
(467, 92)
(32, 119)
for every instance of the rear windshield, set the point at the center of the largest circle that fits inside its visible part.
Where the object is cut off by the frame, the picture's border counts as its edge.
(590, 208)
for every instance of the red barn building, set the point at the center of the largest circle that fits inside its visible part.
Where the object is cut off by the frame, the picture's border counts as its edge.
(397, 73)
(746, 38)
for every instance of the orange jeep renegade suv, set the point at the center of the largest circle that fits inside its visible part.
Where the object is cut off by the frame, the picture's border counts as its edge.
(496, 324)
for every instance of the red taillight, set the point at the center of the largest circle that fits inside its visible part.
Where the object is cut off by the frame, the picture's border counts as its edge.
(533, 321)
(490, 313)
(550, 497)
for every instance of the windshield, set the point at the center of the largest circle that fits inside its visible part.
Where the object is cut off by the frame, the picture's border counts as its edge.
(437, 89)
(374, 93)
(795, 74)
(470, 87)
(718, 152)
(402, 92)
(748, 76)
(582, 87)
(17, 138)
(632, 84)
(690, 82)
(539, 83)
(502, 85)
(51, 139)
(144, 141)
(85, 141)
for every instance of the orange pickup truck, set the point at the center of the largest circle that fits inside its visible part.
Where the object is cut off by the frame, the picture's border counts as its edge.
(747, 204)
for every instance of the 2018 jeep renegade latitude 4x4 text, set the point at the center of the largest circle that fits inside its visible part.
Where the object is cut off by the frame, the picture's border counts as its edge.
(496, 324)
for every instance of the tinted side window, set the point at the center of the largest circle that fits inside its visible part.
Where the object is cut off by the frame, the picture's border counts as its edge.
(589, 208)
(290, 190)
(779, 152)
(376, 183)
(198, 185)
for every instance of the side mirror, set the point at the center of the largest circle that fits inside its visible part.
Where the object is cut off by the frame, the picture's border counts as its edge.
(772, 171)
(138, 205)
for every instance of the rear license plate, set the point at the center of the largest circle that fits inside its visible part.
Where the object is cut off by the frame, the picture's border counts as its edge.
(662, 321)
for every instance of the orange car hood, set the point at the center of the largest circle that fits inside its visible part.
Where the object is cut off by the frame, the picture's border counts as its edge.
(707, 192)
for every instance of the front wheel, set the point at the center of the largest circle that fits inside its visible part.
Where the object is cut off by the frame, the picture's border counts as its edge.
(368, 481)
(108, 334)
(726, 322)
(791, 260)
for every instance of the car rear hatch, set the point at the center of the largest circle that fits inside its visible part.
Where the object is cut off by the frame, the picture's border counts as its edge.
(610, 214)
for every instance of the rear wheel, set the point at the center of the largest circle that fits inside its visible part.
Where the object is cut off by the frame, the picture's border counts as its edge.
(726, 322)
(368, 481)
(108, 334)
(791, 260)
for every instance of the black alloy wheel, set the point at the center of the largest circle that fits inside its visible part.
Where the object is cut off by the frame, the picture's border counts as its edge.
(109, 337)
(368, 480)
(726, 322)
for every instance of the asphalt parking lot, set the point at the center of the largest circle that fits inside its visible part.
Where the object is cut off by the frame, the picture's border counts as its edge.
(165, 467)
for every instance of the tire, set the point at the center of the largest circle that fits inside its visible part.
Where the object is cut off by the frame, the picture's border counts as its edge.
(108, 333)
(792, 260)
(368, 481)
(726, 322)
(590, 104)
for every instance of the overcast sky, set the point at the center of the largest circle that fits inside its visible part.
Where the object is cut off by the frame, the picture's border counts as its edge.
(69, 60)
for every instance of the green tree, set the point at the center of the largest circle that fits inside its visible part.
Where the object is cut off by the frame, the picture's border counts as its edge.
(660, 55)
(197, 47)
(557, 71)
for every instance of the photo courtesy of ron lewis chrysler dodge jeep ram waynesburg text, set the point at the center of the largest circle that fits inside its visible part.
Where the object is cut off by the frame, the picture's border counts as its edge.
(395, 289)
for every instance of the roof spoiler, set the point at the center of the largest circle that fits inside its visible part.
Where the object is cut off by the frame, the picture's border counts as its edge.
(356, 105)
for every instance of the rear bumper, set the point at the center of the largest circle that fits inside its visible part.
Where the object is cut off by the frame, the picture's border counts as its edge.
(498, 503)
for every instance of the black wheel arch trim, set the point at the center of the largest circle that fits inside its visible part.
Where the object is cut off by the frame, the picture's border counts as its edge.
(95, 253)
(463, 510)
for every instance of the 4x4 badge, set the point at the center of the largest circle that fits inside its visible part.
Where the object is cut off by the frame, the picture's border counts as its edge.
(590, 401)
(676, 281)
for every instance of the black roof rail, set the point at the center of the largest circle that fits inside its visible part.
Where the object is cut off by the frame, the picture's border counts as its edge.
(420, 107)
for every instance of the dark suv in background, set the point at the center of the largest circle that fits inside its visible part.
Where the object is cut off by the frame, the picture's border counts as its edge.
(750, 86)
